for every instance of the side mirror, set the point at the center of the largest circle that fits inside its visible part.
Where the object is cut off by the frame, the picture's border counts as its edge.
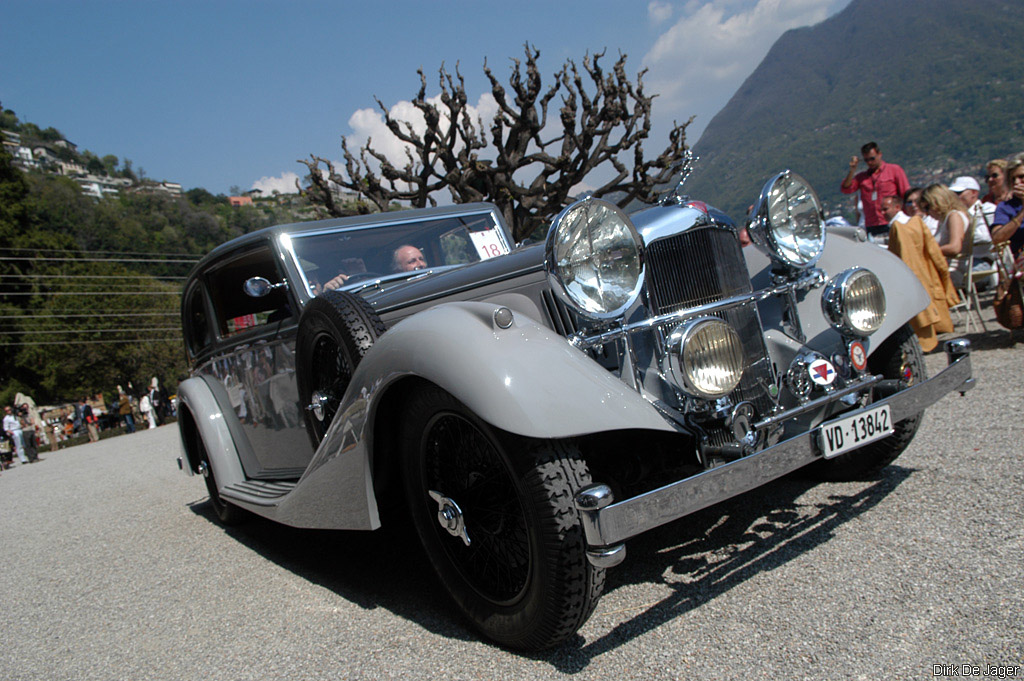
(257, 287)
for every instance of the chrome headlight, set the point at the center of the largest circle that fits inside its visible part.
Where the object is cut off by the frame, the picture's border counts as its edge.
(705, 357)
(788, 223)
(595, 259)
(854, 302)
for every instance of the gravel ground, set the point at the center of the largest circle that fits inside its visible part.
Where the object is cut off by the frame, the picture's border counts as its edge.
(115, 569)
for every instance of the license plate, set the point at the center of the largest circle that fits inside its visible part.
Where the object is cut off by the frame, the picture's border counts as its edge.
(851, 432)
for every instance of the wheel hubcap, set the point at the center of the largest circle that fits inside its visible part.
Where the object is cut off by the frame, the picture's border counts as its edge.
(450, 516)
(317, 405)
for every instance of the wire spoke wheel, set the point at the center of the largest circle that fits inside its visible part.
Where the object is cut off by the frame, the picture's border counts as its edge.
(495, 513)
(335, 332)
(330, 373)
(226, 512)
(463, 465)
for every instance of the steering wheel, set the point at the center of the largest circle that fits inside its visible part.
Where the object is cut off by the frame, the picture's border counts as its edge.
(360, 276)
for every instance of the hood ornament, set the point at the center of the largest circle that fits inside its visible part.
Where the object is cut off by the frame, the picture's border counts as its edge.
(684, 166)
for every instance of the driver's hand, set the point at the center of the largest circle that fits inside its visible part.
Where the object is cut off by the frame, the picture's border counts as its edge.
(336, 283)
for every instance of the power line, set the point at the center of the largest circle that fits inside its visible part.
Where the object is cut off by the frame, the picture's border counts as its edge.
(49, 259)
(97, 314)
(91, 276)
(94, 342)
(98, 293)
(131, 330)
(72, 250)
(126, 287)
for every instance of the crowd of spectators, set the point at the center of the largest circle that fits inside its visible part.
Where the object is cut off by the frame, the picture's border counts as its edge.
(26, 430)
(941, 231)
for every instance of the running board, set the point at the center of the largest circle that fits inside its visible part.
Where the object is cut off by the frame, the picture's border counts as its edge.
(258, 492)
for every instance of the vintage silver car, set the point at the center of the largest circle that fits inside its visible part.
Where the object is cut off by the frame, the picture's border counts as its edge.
(532, 407)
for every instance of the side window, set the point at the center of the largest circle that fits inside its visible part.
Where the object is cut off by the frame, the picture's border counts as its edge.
(197, 326)
(235, 310)
(471, 238)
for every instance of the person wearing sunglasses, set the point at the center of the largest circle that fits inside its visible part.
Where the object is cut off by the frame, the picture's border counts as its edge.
(1010, 213)
(995, 178)
(911, 197)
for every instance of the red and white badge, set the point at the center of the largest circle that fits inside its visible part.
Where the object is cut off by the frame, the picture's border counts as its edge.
(858, 355)
(822, 372)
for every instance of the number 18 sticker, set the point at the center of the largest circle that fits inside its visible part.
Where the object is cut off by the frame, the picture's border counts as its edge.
(487, 244)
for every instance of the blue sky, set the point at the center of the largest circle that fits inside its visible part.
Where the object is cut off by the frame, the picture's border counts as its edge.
(220, 93)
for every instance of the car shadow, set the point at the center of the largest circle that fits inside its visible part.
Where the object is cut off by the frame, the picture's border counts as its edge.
(381, 569)
(697, 558)
(704, 555)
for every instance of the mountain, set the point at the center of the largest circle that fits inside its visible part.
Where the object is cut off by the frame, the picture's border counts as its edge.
(936, 83)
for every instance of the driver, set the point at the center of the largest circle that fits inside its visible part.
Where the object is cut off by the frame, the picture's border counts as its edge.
(407, 259)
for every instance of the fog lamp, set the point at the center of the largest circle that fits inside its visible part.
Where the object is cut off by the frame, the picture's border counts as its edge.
(854, 302)
(705, 357)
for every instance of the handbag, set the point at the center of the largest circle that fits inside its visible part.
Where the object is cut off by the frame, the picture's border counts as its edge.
(1008, 303)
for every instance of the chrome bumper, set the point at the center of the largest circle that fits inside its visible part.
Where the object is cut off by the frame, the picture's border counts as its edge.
(607, 523)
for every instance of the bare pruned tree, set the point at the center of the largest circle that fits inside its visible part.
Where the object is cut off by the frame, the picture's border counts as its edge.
(527, 167)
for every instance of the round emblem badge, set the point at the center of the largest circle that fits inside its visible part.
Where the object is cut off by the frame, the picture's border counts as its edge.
(858, 355)
(822, 372)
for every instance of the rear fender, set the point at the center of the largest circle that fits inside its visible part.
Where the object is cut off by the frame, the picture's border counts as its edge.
(198, 396)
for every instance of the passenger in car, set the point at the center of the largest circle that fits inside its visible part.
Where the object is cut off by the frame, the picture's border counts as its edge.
(349, 268)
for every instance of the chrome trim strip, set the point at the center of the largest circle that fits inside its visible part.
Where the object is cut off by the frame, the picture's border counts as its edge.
(814, 279)
(856, 386)
(620, 521)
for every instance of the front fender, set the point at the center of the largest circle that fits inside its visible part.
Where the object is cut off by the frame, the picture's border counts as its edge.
(525, 379)
(904, 294)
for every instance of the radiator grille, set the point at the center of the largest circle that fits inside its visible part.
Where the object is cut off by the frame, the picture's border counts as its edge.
(703, 266)
(695, 268)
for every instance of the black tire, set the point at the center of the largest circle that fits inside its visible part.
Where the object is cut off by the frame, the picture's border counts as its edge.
(335, 332)
(899, 357)
(524, 580)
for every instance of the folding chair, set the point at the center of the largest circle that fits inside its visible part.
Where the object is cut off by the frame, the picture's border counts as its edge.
(1004, 262)
(968, 286)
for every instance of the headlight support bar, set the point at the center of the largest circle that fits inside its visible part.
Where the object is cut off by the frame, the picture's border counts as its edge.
(810, 279)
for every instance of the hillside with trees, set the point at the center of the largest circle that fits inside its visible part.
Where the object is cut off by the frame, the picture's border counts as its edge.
(90, 288)
(934, 82)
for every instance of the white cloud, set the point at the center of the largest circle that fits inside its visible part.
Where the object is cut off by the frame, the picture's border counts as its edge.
(369, 124)
(700, 62)
(285, 184)
(659, 12)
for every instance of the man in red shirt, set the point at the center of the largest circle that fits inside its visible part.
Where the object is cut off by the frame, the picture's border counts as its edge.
(881, 179)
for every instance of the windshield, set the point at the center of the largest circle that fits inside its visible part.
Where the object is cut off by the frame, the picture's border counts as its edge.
(350, 255)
